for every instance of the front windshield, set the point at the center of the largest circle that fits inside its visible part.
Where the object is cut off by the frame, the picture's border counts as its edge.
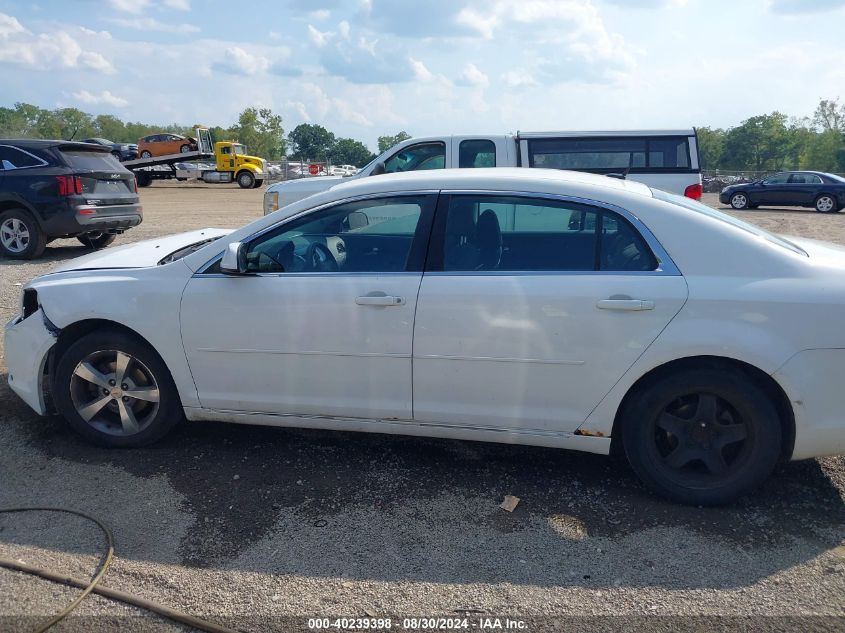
(239, 149)
(694, 205)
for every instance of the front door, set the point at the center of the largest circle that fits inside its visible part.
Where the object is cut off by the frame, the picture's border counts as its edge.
(323, 322)
(532, 310)
(774, 190)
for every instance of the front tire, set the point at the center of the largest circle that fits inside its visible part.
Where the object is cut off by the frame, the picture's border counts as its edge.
(146, 154)
(702, 436)
(258, 183)
(184, 149)
(246, 180)
(826, 204)
(96, 239)
(739, 201)
(20, 235)
(115, 390)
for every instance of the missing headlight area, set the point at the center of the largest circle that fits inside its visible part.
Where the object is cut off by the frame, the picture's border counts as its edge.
(30, 302)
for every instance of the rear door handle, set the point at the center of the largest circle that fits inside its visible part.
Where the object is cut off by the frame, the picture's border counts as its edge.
(628, 305)
(380, 300)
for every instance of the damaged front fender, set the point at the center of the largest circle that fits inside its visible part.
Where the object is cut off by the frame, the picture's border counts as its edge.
(27, 347)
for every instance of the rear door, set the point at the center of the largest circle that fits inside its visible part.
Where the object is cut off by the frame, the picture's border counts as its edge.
(531, 308)
(803, 188)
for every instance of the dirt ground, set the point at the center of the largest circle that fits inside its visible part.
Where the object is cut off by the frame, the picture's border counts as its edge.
(261, 528)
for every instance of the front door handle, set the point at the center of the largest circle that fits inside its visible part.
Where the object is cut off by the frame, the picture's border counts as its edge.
(380, 300)
(628, 305)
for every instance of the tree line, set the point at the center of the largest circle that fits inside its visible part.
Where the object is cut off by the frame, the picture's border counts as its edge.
(259, 129)
(767, 142)
(775, 142)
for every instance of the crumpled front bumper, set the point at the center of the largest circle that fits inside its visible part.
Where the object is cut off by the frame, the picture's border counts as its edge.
(27, 346)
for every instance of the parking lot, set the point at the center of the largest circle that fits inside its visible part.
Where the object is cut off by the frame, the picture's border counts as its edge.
(249, 525)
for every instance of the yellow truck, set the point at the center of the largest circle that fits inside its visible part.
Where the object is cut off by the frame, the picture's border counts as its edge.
(231, 164)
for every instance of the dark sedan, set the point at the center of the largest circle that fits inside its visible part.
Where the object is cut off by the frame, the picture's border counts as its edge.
(121, 151)
(823, 192)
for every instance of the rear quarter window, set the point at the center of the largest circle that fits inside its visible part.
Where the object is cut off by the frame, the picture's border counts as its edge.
(94, 161)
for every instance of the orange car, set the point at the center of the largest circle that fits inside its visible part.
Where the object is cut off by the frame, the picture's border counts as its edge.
(163, 144)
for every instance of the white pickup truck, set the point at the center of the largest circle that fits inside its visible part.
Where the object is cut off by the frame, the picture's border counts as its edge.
(663, 159)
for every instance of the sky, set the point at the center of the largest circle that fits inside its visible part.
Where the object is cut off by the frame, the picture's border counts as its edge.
(365, 68)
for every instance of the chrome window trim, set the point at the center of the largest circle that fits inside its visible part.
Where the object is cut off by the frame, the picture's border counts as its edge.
(665, 265)
(43, 162)
(369, 196)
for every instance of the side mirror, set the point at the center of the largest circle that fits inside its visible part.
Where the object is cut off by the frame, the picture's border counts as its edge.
(234, 259)
(378, 169)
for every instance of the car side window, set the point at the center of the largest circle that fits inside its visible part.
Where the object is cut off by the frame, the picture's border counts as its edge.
(510, 233)
(805, 179)
(12, 158)
(363, 236)
(417, 157)
(777, 179)
(477, 153)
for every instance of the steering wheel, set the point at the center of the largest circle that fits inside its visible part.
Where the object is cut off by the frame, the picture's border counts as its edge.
(320, 259)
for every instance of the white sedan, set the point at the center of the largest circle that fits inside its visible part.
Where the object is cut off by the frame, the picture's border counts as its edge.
(522, 306)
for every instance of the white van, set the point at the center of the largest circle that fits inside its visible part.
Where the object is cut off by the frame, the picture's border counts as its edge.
(663, 159)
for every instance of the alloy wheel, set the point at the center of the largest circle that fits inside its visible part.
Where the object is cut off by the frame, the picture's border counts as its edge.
(824, 204)
(114, 392)
(14, 235)
(739, 201)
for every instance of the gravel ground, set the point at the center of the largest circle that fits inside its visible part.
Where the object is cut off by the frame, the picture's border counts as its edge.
(261, 528)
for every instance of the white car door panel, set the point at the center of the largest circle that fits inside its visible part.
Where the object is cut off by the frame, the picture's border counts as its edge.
(335, 342)
(531, 350)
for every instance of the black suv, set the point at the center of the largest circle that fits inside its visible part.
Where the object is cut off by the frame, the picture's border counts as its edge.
(53, 189)
(121, 151)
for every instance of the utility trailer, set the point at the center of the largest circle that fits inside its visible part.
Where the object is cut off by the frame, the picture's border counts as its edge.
(231, 161)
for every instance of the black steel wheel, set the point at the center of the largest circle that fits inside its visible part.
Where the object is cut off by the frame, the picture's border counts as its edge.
(703, 436)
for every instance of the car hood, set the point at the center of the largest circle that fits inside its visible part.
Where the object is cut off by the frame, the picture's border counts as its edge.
(139, 254)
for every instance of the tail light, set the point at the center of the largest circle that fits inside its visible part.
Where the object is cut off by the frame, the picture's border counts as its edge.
(69, 185)
(693, 191)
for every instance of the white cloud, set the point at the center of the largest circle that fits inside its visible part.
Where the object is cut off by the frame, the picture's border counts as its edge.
(275, 36)
(103, 98)
(518, 79)
(343, 29)
(130, 6)
(104, 34)
(319, 38)
(237, 61)
(151, 24)
(421, 72)
(178, 5)
(45, 51)
(10, 26)
(472, 76)
(320, 14)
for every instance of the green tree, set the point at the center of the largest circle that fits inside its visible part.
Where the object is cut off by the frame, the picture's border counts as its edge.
(309, 141)
(711, 144)
(110, 127)
(386, 142)
(825, 152)
(830, 115)
(347, 151)
(760, 143)
(261, 131)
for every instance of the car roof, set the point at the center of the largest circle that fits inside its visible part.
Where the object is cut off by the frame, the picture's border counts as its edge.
(33, 142)
(492, 178)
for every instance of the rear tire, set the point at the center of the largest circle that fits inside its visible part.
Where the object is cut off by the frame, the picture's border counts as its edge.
(739, 200)
(96, 239)
(246, 180)
(702, 436)
(826, 204)
(258, 183)
(143, 179)
(20, 235)
(91, 381)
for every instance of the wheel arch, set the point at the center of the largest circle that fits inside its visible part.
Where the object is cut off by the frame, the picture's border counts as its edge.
(17, 205)
(69, 334)
(763, 380)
